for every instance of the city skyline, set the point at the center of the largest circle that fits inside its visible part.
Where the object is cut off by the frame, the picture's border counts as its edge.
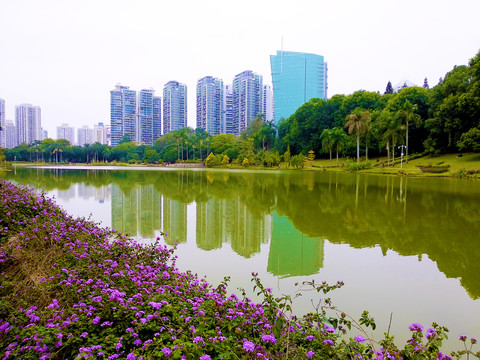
(75, 68)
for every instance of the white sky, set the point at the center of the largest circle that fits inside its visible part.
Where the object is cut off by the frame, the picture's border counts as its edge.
(65, 56)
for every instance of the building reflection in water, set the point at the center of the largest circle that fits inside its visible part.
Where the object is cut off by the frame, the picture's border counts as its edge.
(292, 253)
(85, 192)
(229, 221)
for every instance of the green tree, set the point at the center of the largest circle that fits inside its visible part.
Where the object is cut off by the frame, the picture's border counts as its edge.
(470, 140)
(425, 84)
(151, 156)
(225, 160)
(339, 139)
(287, 156)
(356, 123)
(125, 138)
(392, 132)
(407, 114)
(328, 142)
(389, 88)
(209, 159)
(298, 161)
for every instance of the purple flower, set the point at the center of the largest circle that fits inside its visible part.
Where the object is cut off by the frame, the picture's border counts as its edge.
(269, 339)
(329, 329)
(473, 340)
(205, 357)
(248, 345)
(131, 356)
(359, 339)
(310, 337)
(416, 327)
(96, 320)
(430, 333)
(310, 354)
(328, 342)
(155, 305)
(167, 351)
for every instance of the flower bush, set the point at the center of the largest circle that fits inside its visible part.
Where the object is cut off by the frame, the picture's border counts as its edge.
(72, 290)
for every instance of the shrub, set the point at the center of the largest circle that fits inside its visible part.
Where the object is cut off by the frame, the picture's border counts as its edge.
(356, 166)
(435, 169)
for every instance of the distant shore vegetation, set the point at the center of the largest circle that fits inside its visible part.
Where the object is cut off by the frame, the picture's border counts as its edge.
(444, 119)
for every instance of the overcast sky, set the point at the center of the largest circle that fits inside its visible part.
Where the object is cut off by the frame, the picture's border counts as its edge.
(65, 56)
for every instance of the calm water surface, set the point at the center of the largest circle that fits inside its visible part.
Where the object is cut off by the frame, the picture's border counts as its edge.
(403, 246)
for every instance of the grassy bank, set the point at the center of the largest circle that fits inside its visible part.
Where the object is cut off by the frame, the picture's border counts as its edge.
(71, 290)
(464, 165)
(447, 165)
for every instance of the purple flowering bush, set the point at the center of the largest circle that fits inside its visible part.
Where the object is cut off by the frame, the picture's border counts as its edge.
(70, 289)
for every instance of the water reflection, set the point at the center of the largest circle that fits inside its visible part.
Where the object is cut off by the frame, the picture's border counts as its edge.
(292, 212)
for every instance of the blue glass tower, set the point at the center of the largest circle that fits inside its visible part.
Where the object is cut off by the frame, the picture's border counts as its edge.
(174, 106)
(296, 78)
(210, 104)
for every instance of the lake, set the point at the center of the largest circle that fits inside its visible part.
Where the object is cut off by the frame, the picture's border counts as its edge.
(408, 249)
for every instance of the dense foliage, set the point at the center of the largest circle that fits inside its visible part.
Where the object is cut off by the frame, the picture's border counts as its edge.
(445, 118)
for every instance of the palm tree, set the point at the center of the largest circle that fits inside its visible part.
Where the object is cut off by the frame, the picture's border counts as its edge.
(392, 133)
(356, 122)
(327, 142)
(339, 139)
(406, 114)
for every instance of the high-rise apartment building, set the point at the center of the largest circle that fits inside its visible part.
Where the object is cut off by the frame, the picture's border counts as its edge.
(100, 133)
(149, 117)
(28, 123)
(227, 127)
(123, 119)
(3, 140)
(85, 135)
(10, 134)
(247, 99)
(157, 118)
(67, 132)
(145, 117)
(296, 78)
(174, 106)
(210, 104)
(268, 103)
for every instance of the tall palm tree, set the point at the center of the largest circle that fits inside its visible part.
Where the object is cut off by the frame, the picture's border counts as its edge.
(339, 139)
(406, 114)
(327, 141)
(392, 133)
(356, 122)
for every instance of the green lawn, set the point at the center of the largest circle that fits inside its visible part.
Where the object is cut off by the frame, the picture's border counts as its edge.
(455, 163)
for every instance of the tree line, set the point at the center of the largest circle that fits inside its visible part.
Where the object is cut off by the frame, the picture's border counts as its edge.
(442, 119)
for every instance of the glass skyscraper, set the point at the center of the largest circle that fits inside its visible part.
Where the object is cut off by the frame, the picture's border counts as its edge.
(210, 105)
(296, 78)
(247, 99)
(174, 106)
